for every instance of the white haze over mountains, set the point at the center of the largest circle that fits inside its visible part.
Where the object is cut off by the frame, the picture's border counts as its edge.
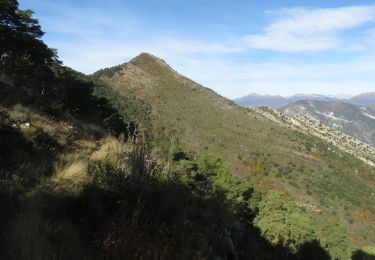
(277, 101)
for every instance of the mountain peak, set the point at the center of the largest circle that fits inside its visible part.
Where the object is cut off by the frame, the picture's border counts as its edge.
(148, 59)
(145, 55)
(152, 65)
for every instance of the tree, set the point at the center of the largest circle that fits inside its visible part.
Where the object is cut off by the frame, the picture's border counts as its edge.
(282, 222)
(24, 57)
(334, 239)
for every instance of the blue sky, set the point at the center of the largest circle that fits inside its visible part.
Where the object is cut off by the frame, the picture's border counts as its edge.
(234, 47)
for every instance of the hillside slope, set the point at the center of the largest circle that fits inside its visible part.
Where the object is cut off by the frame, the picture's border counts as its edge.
(350, 119)
(332, 183)
(307, 124)
(70, 190)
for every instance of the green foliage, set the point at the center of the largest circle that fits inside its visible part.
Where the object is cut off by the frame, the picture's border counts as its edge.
(24, 57)
(190, 212)
(78, 96)
(239, 191)
(282, 222)
(369, 250)
(198, 208)
(107, 72)
(333, 237)
(128, 107)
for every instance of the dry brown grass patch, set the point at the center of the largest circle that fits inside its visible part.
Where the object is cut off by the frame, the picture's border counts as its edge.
(109, 146)
(70, 175)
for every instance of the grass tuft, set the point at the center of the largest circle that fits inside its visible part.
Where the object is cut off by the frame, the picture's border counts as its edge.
(70, 175)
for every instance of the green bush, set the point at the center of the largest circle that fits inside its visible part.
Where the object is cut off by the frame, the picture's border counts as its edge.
(282, 222)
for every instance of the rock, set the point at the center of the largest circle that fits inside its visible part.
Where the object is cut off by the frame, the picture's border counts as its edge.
(25, 125)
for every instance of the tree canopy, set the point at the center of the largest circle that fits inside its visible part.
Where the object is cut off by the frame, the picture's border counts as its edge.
(283, 222)
(22, 52)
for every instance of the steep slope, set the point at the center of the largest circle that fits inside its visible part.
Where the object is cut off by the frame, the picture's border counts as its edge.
(313, 171)
(307, 124)
(350, 119)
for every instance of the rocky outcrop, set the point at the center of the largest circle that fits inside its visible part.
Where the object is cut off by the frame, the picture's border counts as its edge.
(309, 125)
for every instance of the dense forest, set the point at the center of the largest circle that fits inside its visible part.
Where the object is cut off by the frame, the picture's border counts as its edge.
(85, 175)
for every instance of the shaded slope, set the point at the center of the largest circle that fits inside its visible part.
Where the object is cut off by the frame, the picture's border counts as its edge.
(313, 171)
(90, 196)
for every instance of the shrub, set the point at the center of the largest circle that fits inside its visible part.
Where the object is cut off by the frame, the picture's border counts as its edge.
(282, 222)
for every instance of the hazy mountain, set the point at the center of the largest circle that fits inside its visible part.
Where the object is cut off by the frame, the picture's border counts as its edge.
(347, 118)
(253, 144)
(261, 100)
(319, 97)
(276, 101)
(365, 99)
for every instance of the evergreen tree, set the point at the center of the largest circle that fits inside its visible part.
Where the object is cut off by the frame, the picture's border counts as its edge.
(24, 57)
(282, 222)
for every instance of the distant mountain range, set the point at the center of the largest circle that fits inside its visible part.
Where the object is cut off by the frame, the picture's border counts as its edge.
(365, 99)
(357, 121)
(276, 101)
(354, 116)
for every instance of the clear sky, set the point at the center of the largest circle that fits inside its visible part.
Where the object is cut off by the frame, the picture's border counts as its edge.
(235, 47)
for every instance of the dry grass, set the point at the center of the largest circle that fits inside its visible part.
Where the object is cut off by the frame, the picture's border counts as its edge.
(70, 175)
(71, 171)
(20, 113)
(84, 144)
(108, 146)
